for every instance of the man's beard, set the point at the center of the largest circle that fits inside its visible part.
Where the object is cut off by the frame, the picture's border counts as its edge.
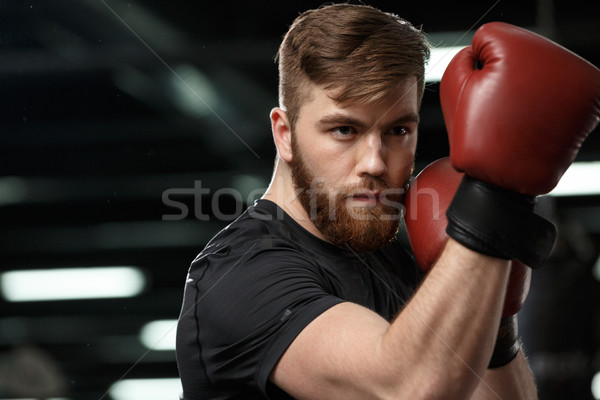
(361, 228)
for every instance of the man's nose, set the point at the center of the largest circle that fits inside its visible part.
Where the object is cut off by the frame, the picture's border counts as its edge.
(371, 156)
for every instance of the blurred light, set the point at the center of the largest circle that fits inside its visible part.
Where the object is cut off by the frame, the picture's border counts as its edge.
(71, 283)
(159, 335)
(596, 386)
(580, 179)
(250, 187)
(438, 61)
(596, 270)
(193, 92)
(146, 389)
(12, 190)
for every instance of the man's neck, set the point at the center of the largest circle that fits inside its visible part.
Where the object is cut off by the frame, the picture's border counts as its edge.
(282, 192)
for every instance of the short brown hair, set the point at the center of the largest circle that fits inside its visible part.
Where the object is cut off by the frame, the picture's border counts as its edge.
(358, 50)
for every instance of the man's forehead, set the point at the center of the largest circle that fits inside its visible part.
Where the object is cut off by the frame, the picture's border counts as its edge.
(400, 98)
(402, 89)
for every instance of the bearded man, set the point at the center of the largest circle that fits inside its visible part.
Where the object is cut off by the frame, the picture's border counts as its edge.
(309, 294)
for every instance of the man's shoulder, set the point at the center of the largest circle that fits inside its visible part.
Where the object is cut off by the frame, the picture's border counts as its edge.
(263, 218)
(259, 229)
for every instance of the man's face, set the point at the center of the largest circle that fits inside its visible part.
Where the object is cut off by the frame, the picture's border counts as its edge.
(352, 164)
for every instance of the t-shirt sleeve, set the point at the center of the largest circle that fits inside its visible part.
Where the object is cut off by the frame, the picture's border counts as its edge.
(251, 303)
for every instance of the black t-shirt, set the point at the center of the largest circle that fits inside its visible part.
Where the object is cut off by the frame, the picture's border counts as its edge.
(257, 284)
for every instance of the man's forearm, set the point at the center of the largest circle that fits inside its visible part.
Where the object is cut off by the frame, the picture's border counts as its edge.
(445, 334)
(513, 381)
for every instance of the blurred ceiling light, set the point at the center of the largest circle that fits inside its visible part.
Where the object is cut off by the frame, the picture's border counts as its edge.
(12, 190)
(159, 335)
(146, 389)
(438, 61)
(580, 179)
(596, 386)
(192, 91)
(71, 283)
(596, 273)
(250, 187)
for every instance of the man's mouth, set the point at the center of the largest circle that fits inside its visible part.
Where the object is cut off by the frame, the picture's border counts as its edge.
(367, 198)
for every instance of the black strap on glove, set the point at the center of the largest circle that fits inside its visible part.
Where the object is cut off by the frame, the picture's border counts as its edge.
(507, 342)
(499, 223)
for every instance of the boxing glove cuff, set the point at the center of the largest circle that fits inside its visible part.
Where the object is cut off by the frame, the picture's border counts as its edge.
(499, 223)
(507, 343)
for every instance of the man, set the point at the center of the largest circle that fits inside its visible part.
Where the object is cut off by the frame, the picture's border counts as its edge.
(308, 294)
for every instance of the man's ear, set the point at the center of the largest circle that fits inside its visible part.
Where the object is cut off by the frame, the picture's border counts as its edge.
(282, 133)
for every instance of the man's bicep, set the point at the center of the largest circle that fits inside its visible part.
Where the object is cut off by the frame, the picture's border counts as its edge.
(334, 356)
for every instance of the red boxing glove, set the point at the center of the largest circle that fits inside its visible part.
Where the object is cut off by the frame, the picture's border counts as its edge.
(426, 201)
(517, 108)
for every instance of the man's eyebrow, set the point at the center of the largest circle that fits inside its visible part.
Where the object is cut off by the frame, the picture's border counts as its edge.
(408, 118)
(345, 120)
(340, 120)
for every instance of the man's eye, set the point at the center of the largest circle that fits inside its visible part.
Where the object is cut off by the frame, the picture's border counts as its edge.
(343, 130)
(399, 131)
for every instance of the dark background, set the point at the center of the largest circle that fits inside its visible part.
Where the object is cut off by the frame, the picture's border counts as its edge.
(98, 118)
